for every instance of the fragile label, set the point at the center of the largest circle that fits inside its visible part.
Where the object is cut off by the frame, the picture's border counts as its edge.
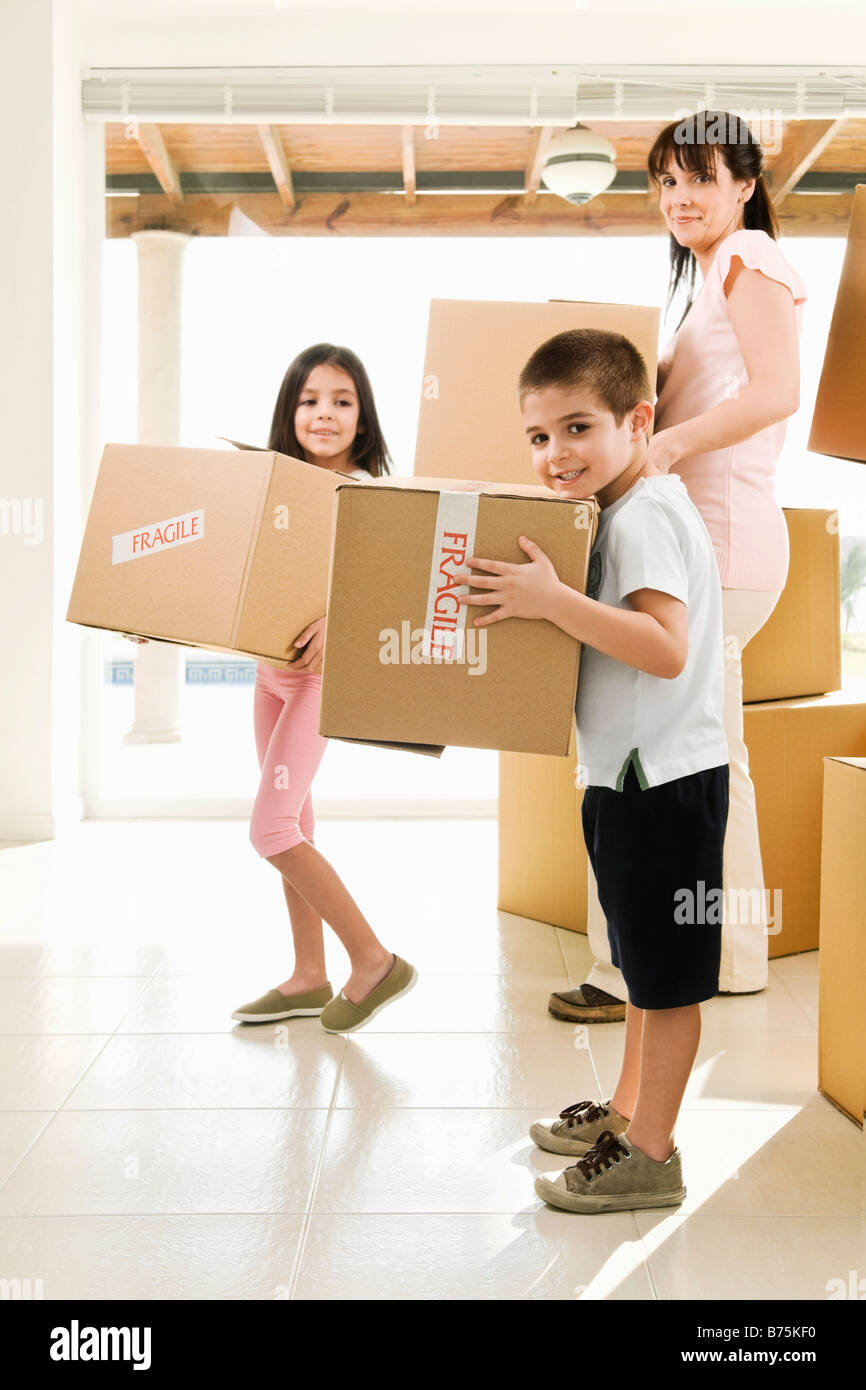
(160, 535)
(453, 543)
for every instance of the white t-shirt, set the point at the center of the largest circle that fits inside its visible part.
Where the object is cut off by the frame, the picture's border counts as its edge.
(362, 473)
(653, 537)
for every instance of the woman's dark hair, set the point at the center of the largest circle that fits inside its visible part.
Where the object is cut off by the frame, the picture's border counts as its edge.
(369, 449)
(694, 144)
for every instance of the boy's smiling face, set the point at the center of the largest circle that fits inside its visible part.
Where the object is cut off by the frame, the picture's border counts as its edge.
(578, 449)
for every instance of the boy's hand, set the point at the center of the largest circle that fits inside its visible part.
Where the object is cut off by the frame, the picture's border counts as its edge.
(313, 639)
(521, 591)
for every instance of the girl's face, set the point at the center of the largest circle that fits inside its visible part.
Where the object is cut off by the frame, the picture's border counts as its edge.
(700, 209)
(326, 417)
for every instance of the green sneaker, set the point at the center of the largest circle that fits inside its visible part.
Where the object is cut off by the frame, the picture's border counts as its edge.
(342, 1016)
(615, 1176)
(579, 1127)
(274, 1006)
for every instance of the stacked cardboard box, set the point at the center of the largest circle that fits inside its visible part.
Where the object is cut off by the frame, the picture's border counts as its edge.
(787, 742)
(475, 352)
(842, 969)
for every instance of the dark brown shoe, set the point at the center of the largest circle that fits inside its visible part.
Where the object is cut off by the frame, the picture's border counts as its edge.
(586, 1004)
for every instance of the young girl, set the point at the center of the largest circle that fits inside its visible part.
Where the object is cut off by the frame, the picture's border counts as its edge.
(325, 414)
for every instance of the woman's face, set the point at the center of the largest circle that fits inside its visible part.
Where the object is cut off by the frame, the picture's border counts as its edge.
(700, 209)
(326, 416)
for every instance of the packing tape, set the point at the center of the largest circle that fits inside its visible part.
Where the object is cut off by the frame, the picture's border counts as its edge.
(453, 543)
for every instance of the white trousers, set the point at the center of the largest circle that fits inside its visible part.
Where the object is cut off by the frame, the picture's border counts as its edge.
(744, 942)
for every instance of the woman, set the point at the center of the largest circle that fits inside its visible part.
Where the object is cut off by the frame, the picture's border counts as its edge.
(727, 382)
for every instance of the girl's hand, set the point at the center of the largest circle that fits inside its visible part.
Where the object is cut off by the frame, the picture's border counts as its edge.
(662, 451)
(522, 591)
(313, 639)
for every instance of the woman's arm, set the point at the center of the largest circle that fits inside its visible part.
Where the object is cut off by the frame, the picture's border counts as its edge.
(763, 317)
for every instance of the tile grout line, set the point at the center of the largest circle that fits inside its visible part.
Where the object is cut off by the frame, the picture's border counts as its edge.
(795, 1000)
(646, 1260)
(108, 1037)
(301, 1247)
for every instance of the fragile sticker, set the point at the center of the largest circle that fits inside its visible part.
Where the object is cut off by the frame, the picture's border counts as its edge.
(453, 544)
(160, 535)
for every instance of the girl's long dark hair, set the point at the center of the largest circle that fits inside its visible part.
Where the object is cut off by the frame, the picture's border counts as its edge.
(369, 449)
(691, 144)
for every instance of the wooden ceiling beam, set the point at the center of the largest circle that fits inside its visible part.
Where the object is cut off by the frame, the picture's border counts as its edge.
(408, 148)
(804, 142)
(278, 164)
(485, 214)
(538, 149)
(149, 138)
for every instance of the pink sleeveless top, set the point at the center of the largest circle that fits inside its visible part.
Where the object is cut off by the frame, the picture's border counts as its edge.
(732, 488)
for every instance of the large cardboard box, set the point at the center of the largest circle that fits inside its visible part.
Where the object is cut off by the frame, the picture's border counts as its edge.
(208, 547)
(842, 960)
(838, 422)
(475, 352)
(542, 861)
(799, 649)
(543, 866)
(403, 664)
(787, 742)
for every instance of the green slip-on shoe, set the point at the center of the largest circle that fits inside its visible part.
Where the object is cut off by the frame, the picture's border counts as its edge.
(615, 1175)
(275, 1006)
(342, 1016)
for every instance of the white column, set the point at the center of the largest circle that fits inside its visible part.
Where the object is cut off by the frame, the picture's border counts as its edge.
(158, 665)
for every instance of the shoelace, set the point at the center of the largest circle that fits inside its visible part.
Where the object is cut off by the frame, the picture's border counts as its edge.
(606, 1151)
(582, 1112)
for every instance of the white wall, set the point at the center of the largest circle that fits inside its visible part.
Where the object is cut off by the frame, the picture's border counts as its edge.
(26, 402)
(178, 32)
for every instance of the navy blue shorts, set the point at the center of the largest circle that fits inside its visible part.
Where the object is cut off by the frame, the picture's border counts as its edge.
(657, 858)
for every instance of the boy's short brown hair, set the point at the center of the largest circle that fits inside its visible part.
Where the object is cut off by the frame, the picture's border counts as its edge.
(606, 363)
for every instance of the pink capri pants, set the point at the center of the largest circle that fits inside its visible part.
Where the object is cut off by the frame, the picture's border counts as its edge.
(290, 748)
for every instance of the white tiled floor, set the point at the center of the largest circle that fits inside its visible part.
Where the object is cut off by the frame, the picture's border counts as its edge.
(149, 1148)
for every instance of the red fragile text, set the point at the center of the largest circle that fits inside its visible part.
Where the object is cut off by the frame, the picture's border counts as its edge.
(169, 533)
(446, 610)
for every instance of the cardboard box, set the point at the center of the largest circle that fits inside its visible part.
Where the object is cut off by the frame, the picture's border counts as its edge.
(475, 352)
(543, 868)
(403, 664)
(787, 742)
(207, 547)
(542, 860)
(799, 649)
(842, 960)
(838, 423)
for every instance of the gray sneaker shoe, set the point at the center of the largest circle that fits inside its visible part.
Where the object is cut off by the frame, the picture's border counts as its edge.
(579, 1127)
(274, 1006)
(615, 1176)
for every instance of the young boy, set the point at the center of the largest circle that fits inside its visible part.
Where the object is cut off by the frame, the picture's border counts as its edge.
(651, 747)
